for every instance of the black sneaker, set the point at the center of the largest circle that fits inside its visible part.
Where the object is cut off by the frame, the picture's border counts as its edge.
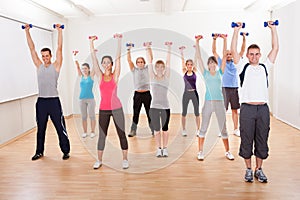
(132, 133)
(249, 175)
(261, 177)
(66, 156)
(37, 156)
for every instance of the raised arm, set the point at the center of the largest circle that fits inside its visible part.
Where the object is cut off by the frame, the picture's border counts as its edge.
(275, 44)
(182, 59)
(198, 55)
(243, 47)
(214, 48)
(117, 70)
(223, 64)
(95, 62)
(168, 60)
(150, 60)
(233, 46)
(77, 63)
(58, 62)
(35, 58)
(130, 63)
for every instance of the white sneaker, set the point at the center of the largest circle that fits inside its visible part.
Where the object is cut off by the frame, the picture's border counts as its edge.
(165, 152)
(197, 133)
(84, 135)
(159, 153)
(97, 164)
(220, 134)
(184, 133)
(237, 132)
(125, 164)
(229, 156)
(92, 135)
(200, 155)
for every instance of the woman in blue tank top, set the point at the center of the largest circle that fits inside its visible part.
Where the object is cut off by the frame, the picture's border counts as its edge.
(214, 101)
(190, 91)
(86, 98)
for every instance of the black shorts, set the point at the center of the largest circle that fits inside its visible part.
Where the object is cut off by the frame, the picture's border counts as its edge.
(231, 95)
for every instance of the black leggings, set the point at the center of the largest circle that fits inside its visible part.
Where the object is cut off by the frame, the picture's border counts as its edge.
(160, 117)
(119, 120)
(187, 96)
(139, 99)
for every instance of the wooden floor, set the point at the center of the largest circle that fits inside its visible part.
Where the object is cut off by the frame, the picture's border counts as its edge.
(180, 177)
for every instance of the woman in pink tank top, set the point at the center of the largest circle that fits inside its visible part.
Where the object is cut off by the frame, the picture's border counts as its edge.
(110, 104)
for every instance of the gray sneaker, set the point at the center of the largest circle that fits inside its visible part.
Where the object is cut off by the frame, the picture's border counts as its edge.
(261, 177)
(132, 133)
(249, 175)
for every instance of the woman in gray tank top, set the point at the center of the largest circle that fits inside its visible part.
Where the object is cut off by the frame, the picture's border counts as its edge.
(160, 109)
(142, 95)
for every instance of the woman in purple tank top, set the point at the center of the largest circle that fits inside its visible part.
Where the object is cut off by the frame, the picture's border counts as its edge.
(190, 92)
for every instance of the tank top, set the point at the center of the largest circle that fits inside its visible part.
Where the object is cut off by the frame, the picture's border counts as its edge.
(213, 85)
(86, 88)
(109, 98)
(47, 81)
(159, 92)
(141, 78)
(190, 81)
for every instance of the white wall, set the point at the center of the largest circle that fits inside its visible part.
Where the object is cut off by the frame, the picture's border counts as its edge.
(286, 75)
(18, 116)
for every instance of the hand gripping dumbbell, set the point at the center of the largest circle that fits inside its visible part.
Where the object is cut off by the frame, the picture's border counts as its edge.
(61, 26)
(117, 35)
(145, 44)
(244, 33)
(168, 43)
(94, 36)
(182, 48)
(75, 51)
(276, 23)
(198, 36)
(24, 26)
(129, 44)
(218, 35)
(234, 24)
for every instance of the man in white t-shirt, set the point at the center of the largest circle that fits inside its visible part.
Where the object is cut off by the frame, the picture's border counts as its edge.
(254, 112)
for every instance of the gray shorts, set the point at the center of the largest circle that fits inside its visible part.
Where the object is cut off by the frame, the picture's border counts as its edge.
(231, 95)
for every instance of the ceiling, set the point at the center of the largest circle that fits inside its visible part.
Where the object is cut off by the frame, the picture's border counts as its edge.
(90, 8)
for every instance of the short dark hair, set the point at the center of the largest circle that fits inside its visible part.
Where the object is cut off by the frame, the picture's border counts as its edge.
(109, 57)
(46, 49)
(160, 62)
(253, 46)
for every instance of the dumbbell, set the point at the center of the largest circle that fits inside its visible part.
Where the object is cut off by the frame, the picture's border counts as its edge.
(147, 44)
(61, 26)
(276, 23)
(242, 33)
(218, 34)
(168, 43)
(129, 44)
(75, 51)
(117, 35)
(23, 26)
(181, 48)
(198, 36)
(233, 24)
(96, 37)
